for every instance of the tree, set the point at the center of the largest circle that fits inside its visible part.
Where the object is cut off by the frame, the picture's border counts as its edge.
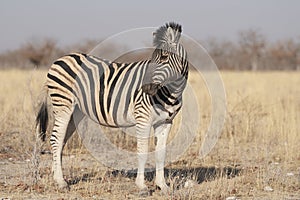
(285, 55)
(252, 44)
(223, 53)
(39, 52)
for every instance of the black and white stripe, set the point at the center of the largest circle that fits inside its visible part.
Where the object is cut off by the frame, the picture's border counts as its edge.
(102, 90)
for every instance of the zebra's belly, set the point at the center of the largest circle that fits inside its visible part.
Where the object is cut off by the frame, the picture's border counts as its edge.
(121, 116)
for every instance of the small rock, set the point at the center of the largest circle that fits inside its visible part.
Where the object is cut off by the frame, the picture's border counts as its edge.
(290, 174)
(268, 189)
(231, 198)
(10, 159)
(27, 160)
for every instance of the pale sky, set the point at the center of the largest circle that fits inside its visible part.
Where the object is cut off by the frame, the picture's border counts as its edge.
(69, 22)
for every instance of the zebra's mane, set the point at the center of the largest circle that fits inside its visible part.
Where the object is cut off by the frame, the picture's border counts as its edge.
(167, 34)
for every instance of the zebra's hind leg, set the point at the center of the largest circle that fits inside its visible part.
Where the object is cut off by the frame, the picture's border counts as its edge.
(76, 117)
(161, 133)
(57, 141)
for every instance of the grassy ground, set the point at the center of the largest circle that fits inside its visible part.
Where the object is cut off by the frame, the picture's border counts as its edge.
(256, 157)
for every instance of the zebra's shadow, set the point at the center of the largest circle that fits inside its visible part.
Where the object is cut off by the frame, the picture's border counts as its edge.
(198, 174)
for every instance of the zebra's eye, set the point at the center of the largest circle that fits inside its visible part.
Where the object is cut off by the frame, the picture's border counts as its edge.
(164, 55)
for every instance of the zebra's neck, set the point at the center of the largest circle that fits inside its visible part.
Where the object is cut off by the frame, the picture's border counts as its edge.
(170, 95)
(176, 87)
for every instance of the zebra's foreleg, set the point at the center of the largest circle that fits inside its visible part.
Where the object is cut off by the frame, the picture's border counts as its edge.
(143, 133)
(161, 133)
(57, 143)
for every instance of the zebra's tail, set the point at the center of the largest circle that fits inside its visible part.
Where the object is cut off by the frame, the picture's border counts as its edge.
(42, 120)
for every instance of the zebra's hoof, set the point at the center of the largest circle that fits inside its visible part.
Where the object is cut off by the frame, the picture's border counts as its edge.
(63, 186)
(165, 190)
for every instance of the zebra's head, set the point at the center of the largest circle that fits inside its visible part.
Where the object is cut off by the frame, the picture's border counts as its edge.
(168, 62)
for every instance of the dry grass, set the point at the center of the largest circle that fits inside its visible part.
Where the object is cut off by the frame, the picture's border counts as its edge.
(259, 145)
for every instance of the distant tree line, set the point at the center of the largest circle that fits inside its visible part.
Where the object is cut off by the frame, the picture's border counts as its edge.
(40, 53)
(251, 52)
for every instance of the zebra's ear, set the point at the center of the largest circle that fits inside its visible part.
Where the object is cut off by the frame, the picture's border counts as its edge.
(154, 34)
(170, 34)
(173, 35)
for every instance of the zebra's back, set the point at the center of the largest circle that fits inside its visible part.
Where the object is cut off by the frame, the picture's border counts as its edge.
(105, 91)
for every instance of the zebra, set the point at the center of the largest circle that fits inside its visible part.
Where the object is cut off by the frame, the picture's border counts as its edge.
(143, 94)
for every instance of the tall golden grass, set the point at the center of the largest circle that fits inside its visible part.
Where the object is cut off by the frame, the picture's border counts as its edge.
(260, 136)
